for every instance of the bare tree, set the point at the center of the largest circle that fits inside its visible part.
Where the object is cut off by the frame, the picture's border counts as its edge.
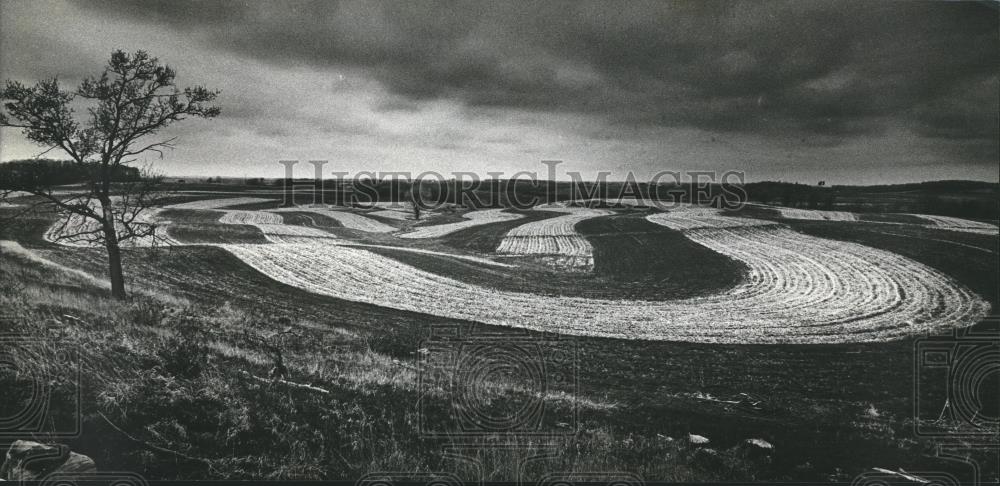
(133, 99)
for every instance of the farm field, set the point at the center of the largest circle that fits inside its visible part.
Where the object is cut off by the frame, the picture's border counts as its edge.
(959, 224)
(346, 219)
(516, 244)
(892, 299)
(950, 223)
(472, 219)
(554, 239)
(217, 203)
(686, 321)
(817, 215)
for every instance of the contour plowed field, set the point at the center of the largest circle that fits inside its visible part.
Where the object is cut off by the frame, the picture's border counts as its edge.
(800, 289)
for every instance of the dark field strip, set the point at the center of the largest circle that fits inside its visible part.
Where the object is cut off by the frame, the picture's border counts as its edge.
(257, 206)
(634, 259)
(754, 211)
(178, 198)
(374, 215)
(891, 218)
(971, 259)
(191, 216)
(202, 226)
(627, 249)
(313, 220)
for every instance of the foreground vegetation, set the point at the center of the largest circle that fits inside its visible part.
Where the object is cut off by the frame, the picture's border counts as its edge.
(176, 383)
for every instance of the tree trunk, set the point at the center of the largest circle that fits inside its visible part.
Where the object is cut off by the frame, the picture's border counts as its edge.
(115, 267)
(114, 252)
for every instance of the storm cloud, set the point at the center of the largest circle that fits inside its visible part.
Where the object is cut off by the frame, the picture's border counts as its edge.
(794, 76)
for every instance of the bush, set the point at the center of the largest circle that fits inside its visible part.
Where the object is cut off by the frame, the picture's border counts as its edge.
(396, 342)
(185, 354)
(146, 312)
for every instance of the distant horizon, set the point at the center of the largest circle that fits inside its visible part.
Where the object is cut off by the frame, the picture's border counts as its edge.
(827, 184)
(302, 173)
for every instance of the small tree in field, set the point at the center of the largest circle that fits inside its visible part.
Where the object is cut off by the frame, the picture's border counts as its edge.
(417, 194)
(131, 101)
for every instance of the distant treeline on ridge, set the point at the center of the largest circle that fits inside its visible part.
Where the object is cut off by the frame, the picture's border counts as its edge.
(35, 173)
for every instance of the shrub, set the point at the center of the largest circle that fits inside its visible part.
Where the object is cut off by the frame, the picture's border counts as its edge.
(185, 354)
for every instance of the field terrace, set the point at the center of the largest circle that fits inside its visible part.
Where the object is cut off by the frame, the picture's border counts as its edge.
(554, 240)
(796, 288)
(948, 223)
(375, 327)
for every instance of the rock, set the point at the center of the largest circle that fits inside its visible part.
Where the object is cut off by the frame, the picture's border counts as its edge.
(706, 458)
(760, 445)
(24, 459)
(78, 463)
(756, 450)
(872, 412)
(697, 440)
(31, 461)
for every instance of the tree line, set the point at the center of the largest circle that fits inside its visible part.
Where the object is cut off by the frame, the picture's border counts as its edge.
(25, 174)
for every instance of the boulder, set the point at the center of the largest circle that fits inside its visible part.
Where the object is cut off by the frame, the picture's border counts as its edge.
(757, 450)
(32, 461)
(78, 464)
(697, 440)
(758, 445)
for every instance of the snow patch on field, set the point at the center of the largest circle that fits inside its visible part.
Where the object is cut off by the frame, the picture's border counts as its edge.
(624, 201)
(959, 224)
(691, 217)
(469, 258)
(816, 215)
(218, 203)
(554, 237)
(473, 219)
(935, 221)
(250, 217)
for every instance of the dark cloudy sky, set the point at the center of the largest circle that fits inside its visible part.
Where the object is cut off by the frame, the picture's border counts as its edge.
(849, 92)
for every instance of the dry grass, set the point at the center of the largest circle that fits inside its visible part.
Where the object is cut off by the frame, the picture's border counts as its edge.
(176, 375)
